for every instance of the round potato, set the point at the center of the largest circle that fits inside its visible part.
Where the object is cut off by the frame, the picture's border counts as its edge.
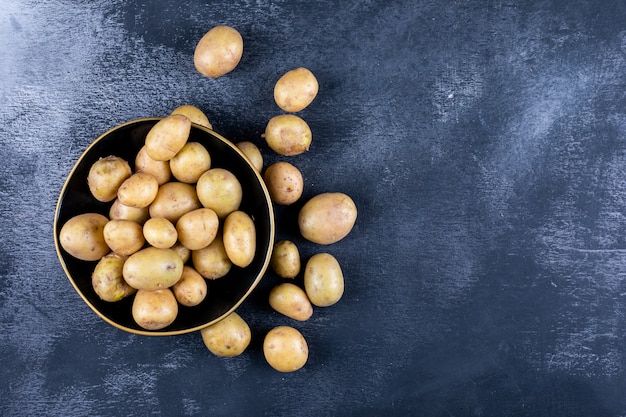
(288, 135)
(212, 262)
(158, 169)
(160, 232)
(119, 211)
(284, 183)
(82, 236)
(190, 162)
(124, 237)
(194, 114)
(228, 337)
(107, 279)
(323, 280)
(167, 137)
(252, 152)
(219, 190)
(153, 269)
(173, 200)
(154, 310)
(285, 260)
(191, 289)
(239, 236)
(105, 177)
(285, 349)
(327, 218)
(198, 228)
(291, 300)
(295, 90)
(139, 190)
(218, 52)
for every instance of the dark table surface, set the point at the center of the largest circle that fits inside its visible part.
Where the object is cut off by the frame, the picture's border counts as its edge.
(484, 143)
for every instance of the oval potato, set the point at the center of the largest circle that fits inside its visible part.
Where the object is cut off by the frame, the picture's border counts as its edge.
(288, 135)
(158, 169)
(124, 237)
(107, 279)
(323, 280)
(191, 289)
(139, 190)
(153, 269)
(291, 301)
(239, 236)
(218, 52)
(190, 162)
(285, 349)
(82, 236)
(295, 90)
(212, 262)
(167, 137)
(327, 218)
(198, 228)
(220, 190)
(154, 310)
(119, 211)
(160, 232)
(285, 260)
(105, 177)
(284, 183)
(173, 200)
(253, 153)
(228, 337)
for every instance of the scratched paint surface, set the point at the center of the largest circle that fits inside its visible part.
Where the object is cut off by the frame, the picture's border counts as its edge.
(484, 143)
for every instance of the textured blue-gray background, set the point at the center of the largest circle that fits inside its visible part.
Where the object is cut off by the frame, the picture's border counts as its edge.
(484, 142)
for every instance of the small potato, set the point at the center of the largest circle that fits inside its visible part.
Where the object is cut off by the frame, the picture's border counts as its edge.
(190, 162)
(285, 349)
(139, 190)
(160, 232)
(295, 90)
(285, 260)
(107, 279)
(119, 211)
(291, 300)
(82, 236)
(212, 262)
(173, 200)
(182, 251)
(219, 190)
(288, 135)
(327, 218)
(167, 137)
(228, 337)
(158, 169)
(194, 114)
(252, 152)
(191, 289)
(153, 269)
(124, 237)
(239, 236)
(323, 280)
(105, 177)
(284, 183)
(198, 228)
(218, 52)
(154, 310)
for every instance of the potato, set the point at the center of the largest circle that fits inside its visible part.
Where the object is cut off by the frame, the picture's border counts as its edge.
(284, 183)
(327, 218)
(285, 260)
(105, 177)
(182, 251)
(173, 200)
(239, 236)
(198, 228)
(153, 269)
(288, 135)
(323, 280)
(194, 114)
(285, 349)
(82, 236)
(154, 310)
(218, 52)
(119, 211)
(190, 162)
(219, 190)
(252, 152)
(167, 137)
(228, 337)
(139, 190)
(191, 289)
(160, 232)
(124, 237)
(212, 262)
(291, 301)
(158, 169)
(295, 90)
(107, 279)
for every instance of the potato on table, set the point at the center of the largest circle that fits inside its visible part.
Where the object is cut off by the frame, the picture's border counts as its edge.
(284, 183)
(323, 280)
(228, 337)
(285, 260)
(285, 349)
(288, 135)
(291, 300)
(295, 90)
(327, 218)
(218, 52)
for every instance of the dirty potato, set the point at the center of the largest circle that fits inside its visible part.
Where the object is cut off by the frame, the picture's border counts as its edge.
(107, 279)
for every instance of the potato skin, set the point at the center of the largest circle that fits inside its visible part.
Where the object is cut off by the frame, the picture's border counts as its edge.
(105, 177)
(285, 349)
(212, 262)
(82, 236)
(218, 52)
(174, 199)
(220, 190)
(288, 135)
(119, 211)
(190, 162)
(291, 301)
(160, 232)
(239, 234)
(253, 153)
(284, 182)
(167, 137)
(158, 169)
(327, 218)
(194, 114)
(228, 337)
(323, 280)
(139, 190)
(124, 237)
(191, 289)
(285, 260)
(107, 279)
(295, 90)
(154, 310)
(153, 269)
(198, 228)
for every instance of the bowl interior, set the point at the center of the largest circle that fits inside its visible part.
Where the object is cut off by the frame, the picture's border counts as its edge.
(224, 294)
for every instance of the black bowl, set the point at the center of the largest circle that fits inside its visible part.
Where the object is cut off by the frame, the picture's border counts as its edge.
(225, 294)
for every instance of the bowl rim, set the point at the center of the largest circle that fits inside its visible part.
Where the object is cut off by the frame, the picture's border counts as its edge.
(254, 283)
